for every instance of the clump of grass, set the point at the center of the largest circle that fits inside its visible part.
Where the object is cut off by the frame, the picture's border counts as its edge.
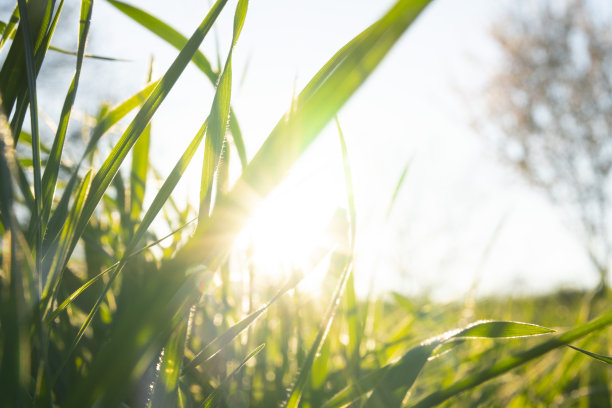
(91, 315)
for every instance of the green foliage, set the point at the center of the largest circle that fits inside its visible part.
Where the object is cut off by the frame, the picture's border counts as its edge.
(93, 313)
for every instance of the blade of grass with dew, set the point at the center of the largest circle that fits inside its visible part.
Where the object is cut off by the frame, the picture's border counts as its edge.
(49, 177)
(218, 117)
(317, 104)
(110, 167)
(600, 357)
(297, 389)
(165, 390)
(501, 367)
(140, 166)
(178, 41)
(212, 399)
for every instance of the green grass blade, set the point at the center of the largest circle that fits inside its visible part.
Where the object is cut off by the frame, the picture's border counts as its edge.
(110, 167)
(219, 115)
(165, 391)
(49, 177)
(600, 357)
(507, 364)
(62, 246)
(501, 329)
(316, 106)
(31, 77)
(178, 41)
(296, 391)
(8, 31)
(398, 186)
(140, 166)
(212, 400)
(90, 56)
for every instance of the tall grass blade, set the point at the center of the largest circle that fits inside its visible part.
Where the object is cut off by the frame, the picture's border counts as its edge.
(219, 115)
(398, 187)
(49, 177)
(8, 31)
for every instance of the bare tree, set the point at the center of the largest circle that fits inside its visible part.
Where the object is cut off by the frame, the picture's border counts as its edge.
(552, 108)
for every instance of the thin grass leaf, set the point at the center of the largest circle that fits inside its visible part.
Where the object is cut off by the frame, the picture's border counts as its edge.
(472, 380)
(178, 41)
(61, 248)
(49, 177)
(398, 187)
(297, 389)
(600, 357)
(213, 397)
(90, 56)
(218, 118)
(140, 166)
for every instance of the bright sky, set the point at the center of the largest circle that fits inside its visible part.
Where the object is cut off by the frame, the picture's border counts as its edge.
(417, 106)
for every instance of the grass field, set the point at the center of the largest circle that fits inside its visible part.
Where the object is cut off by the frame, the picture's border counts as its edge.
(97, 309)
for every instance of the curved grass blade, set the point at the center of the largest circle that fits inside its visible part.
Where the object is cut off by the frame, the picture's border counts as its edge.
(218, 117)
(213, 398)
(49, 177)
(600, 357)
(507, 364)
(315, 107)
(178, 41)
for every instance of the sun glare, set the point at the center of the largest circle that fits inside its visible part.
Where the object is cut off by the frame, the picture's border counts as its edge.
(289, 234)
